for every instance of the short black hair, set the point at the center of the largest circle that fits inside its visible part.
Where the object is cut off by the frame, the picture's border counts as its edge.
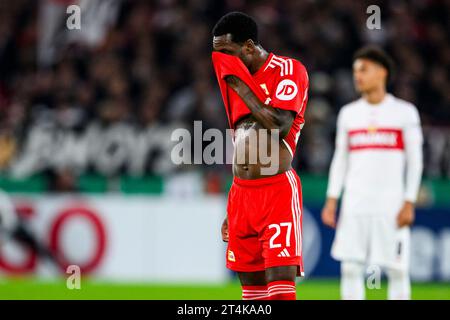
(377, 55)
(240, 25)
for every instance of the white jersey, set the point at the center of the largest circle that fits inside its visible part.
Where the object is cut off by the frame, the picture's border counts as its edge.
(378, 157)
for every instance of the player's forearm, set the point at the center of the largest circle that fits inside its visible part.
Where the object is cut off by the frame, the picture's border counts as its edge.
(413, 176)
(338, 167)
(269, 117)
(414, 164)
(337, 174)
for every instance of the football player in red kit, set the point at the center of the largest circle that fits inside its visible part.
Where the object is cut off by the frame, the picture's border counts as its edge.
(262, 92)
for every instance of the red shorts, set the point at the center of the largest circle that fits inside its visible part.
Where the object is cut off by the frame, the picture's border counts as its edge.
(265, 223)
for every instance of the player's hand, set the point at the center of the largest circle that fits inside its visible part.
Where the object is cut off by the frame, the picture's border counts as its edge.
(329, 213)
(406, 215)
(225, 230)
(237, 85)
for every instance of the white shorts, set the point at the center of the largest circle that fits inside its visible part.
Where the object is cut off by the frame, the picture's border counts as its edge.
(372, 240)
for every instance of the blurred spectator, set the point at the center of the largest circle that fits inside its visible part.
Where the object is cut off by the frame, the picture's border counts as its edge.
(7, 147)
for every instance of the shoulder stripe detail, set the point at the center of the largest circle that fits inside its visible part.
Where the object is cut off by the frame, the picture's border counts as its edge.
(269, 64)
(280, 64)
(286, 65)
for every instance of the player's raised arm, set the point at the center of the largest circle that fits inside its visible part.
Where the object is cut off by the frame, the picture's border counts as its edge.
(287, 99)
(337, 174)
(268, 116)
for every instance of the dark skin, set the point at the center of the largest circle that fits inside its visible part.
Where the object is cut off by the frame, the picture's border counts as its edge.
(262, 117)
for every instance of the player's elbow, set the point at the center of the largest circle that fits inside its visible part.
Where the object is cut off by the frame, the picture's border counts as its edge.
(284, 123)
(415, 165)
(415, 157)
(284, 130)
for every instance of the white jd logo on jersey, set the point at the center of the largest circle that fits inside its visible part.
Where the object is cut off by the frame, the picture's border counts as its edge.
(286, 90)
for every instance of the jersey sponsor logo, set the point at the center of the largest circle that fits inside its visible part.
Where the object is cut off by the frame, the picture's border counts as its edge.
(390, 139)
(286, 90)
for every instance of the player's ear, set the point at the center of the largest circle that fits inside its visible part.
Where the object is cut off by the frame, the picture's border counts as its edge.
(249, 46)
(385, 75)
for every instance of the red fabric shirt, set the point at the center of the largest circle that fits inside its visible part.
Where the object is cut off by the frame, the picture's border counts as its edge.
(281, 82)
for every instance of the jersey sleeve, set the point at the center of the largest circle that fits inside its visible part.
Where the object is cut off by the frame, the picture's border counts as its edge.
(414, 158)
(338, 168)
(291, 86)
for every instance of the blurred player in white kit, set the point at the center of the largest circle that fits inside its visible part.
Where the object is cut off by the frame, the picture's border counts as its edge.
(378, 164)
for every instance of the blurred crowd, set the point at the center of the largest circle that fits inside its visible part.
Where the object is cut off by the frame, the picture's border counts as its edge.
(106, 98)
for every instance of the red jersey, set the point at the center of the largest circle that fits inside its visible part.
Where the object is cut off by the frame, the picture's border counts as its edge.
(284, 83)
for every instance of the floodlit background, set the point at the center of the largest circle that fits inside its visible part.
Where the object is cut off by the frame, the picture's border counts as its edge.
(86, 118)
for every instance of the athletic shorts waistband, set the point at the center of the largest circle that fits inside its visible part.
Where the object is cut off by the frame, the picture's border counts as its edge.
(263, 181)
